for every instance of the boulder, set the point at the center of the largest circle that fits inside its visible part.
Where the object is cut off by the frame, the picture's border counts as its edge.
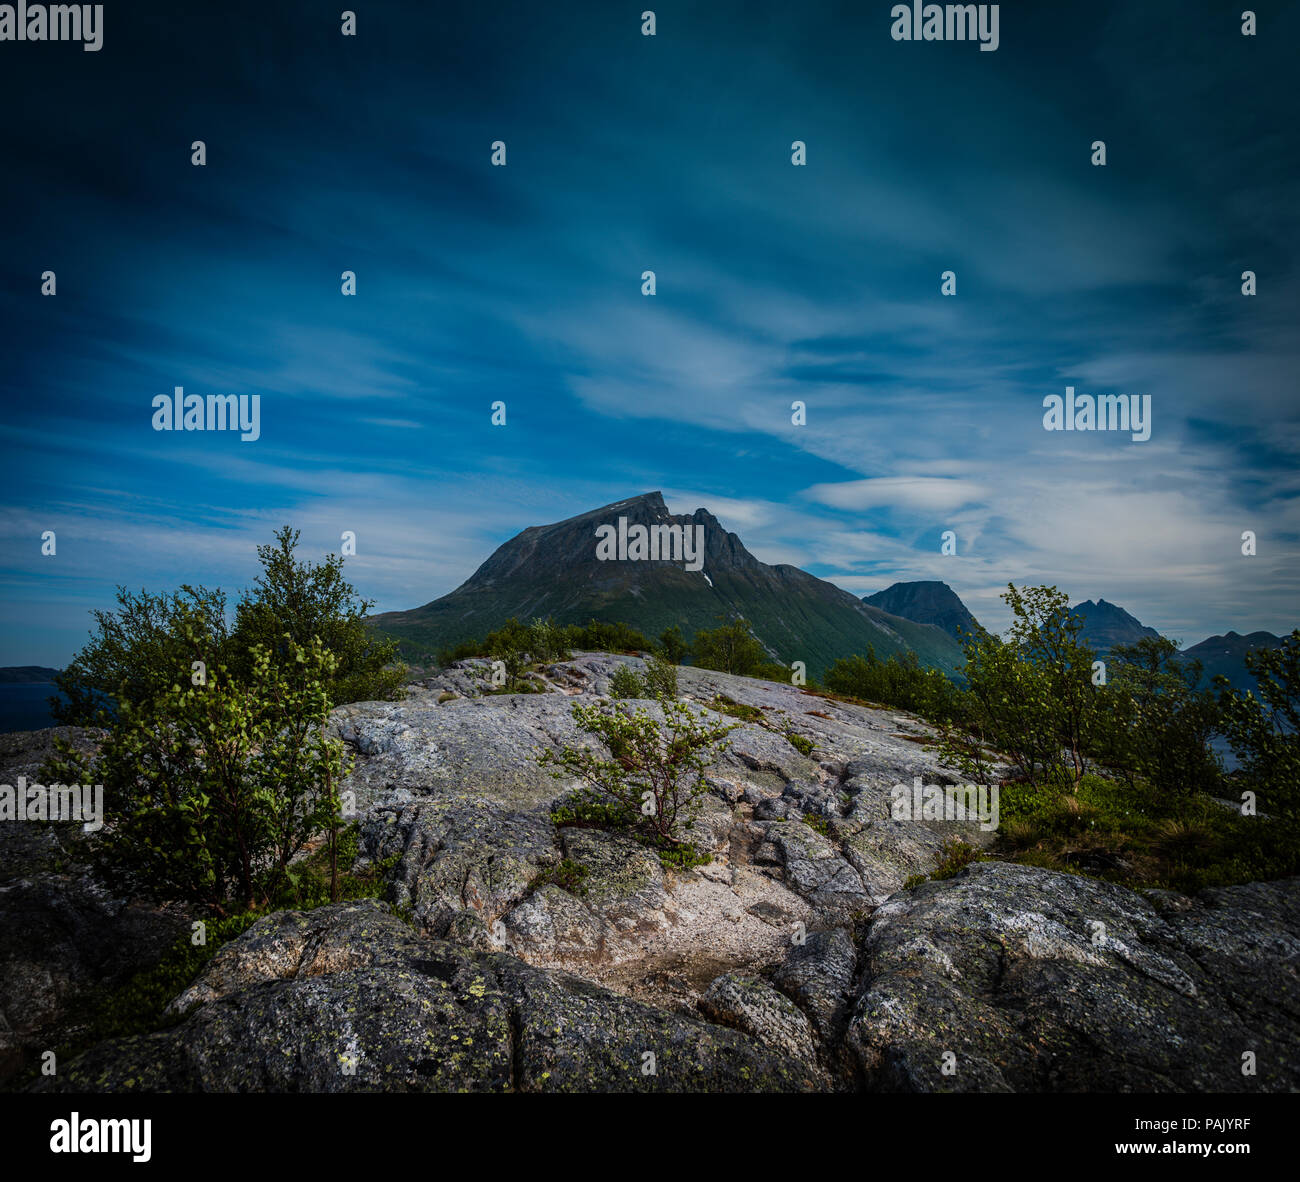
(1013, 978)
(348, 998)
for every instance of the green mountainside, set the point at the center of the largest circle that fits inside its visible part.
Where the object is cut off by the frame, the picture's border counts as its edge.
(553, 570)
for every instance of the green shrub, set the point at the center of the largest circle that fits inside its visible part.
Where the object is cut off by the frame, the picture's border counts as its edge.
(1031, 696)
(294, 602)
(799, 743)
(568, 875)
(139, 651)
(1155, 724)
(729, 648)
(544, 640)
(151, 641)
(508, 649)
(606, 637)
(211, 790)
(584, 812)
(660, 678)
(672, 646)
(681, 855)
(625, 683)
(729, 706)
(817, 823)
(899, 681)
(1263, 726)
(954, 857)
(654, 778)
(774, 671)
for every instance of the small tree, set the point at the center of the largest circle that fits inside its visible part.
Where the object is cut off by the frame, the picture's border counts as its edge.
(546, 641)
(730, 648)
(672, 646)
(1031, 695)
(1159, 726)
(294, 601)
(653, 779)
(510, 645)
(660, 678)
(1263, 725)
(624, 683)
(211, 789)
(138, 651)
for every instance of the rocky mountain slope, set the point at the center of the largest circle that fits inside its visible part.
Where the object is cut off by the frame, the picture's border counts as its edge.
(794, 960)
(553, 570)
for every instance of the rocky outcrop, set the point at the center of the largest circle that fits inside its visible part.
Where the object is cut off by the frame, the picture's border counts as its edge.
(1011, 978)
(451, 787)
(752, 1005)
(347, 998)
(64, 940)
(515, 954)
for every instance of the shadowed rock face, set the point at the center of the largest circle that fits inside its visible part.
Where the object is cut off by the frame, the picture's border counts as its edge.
(1036, 981)
(792, 960)
(63, 938)
(348, 998)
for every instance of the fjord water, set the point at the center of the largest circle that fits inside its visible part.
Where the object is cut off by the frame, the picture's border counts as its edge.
(24, 706)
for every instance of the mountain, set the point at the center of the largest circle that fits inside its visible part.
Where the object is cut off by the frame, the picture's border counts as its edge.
(1227, 655)
(27, 675)
(553, 570)
(925, 602)
(1105, 625)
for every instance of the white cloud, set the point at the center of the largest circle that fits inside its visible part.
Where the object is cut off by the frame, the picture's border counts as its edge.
(909, 492)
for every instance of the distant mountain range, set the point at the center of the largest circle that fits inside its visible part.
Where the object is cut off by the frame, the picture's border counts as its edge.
(926, 602)
(27, 674)
(1106, 626)
(1227, 655)
(554, 570)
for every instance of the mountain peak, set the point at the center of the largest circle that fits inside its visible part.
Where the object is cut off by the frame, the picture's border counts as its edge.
(569, 571)
(926, 601)
(1106, 625)
(651, 501)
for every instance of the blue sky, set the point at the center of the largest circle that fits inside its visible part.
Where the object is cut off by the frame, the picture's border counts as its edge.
(775, 283)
